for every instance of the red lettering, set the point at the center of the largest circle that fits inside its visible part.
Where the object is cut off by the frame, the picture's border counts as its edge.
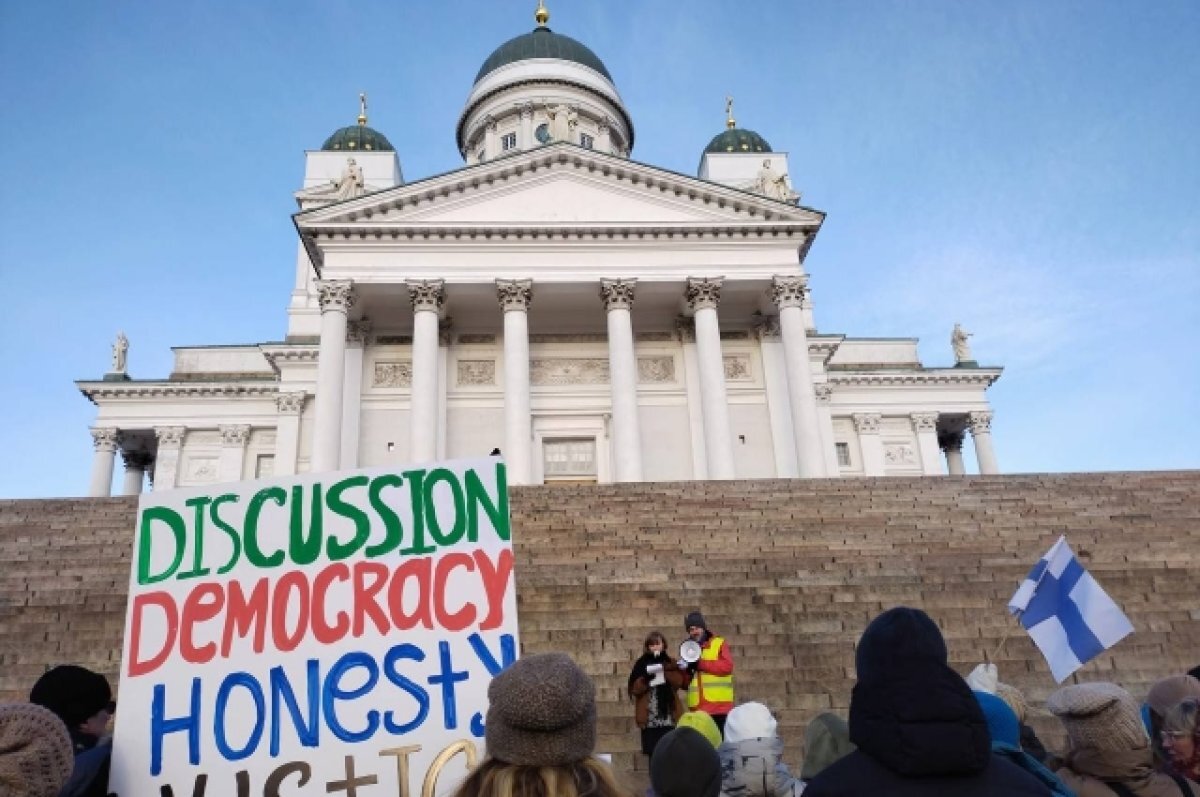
(464, 616)
(422, 571)
(366, 596)
(495, 585)
(242, 612)
(323, 631)
(137, 665)
(201, 605)
(280, 601)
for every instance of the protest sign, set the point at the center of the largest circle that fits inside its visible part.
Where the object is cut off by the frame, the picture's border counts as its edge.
(330, 633)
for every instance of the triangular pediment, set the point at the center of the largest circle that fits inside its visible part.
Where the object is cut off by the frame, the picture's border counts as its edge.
(559, 185)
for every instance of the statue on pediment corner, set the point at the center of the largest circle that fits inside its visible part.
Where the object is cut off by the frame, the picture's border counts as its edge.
(120, 349)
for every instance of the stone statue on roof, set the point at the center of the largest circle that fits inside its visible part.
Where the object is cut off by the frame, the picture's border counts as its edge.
(119, 350)
(351, 183)
(959, 341)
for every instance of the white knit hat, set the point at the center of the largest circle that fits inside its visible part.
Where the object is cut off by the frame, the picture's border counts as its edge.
(1099, 716)
(749, 721)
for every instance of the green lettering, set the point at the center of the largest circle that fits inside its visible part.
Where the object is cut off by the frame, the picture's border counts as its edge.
(305, 548)
(362, 524)
(497, 511)
(391, 521)
(198, 538)
(255, 555)
(230, 531)
(460, 514)
(178, 529)
(415, 495)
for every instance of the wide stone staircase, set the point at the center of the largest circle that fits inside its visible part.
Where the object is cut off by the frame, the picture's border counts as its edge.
(790, 572)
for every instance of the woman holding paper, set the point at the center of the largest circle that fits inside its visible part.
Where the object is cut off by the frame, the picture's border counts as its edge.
(653, 685)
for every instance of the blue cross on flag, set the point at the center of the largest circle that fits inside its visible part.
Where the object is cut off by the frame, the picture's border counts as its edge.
(1068, 616)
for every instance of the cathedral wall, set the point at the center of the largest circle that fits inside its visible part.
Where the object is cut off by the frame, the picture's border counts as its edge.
(753, 451)
(473, 431)
(384, 435)
(666, 443)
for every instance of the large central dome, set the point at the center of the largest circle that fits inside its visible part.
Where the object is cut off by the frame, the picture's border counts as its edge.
(541, 43)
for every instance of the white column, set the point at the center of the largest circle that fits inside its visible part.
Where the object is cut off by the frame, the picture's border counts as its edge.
(703, 295)
(869, 441)
(445, 341)
(166, 461)
(824, 394)
(234, 438)
(980, 424)
(685, 329)
(788, 293)
(622, 369)
(951, 443)
(604, 136)
(336, 298)
(290, 407)
(136, 464)
(925, 425)
(427, 297)
(526, 112)
(515, 297)
(358, 337)
(775, 381)
(491, 146)
(104, 441)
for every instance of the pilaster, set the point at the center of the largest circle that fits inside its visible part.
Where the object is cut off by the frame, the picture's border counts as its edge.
(870, 442)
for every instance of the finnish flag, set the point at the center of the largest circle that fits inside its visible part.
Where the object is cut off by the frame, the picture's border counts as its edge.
(1070, 618)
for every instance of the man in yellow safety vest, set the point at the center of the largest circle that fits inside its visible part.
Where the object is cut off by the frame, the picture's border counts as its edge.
(709, 680)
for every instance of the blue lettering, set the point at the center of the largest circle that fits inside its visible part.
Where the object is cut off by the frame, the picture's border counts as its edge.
(248, 682)
(160, 726)
(508, 654)
(333, 692)
(393, 657)
(447, 678)
(282, 693)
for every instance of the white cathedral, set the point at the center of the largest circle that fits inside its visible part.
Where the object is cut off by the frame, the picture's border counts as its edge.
(594, 318)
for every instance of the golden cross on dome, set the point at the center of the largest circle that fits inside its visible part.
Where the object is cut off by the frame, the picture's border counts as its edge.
(729, 120)
(362, 109)
(541, 15)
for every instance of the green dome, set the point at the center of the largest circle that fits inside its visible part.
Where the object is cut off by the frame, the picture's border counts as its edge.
(541, 43)
(737, 139)
(358, 138)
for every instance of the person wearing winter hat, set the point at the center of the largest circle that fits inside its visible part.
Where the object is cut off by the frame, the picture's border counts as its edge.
(1181, 738)
(1005, 731)
(685, 765)
(703, 724)
(918, 728)
(1028, 739)
(1162, 697)
(752, 755)
(540, 731)
(83, 700)
(709, 680)
(35, 751)
(1108, 749)
(826, 740)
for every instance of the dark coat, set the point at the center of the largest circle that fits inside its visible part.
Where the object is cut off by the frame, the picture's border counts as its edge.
(918, 728)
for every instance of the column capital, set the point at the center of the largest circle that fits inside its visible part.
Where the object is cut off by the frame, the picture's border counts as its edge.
(617, 294)
(335, 295)
(526, 109)
(979, 422)
(515, 294)
(290, 403)
(950, 441)
(359, 331)
(489, 122)
(767, 326)
(427, 295)
(604, 125)
(867, 422)
(685, 329)
(234, 434)
(824, 392)
(137, 460)
(703, 292)
(104, 438)
(170, 436)
(789, 290)
(924, 421)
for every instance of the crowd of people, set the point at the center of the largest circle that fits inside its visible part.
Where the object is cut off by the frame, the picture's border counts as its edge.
(915, 727)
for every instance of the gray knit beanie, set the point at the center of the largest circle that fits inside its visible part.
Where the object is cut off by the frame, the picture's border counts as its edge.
(541, 712)
(35, 751)
(1099, 716)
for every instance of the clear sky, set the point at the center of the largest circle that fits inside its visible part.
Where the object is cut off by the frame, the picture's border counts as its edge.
(1028, 168)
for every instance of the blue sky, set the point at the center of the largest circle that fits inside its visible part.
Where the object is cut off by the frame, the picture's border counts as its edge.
(1029, 168)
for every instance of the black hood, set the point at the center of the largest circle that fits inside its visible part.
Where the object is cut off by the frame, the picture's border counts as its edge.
(909, 710)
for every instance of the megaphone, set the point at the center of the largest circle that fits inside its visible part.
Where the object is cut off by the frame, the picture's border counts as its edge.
(689, 651)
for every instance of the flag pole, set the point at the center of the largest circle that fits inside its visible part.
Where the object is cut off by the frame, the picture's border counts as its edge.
(1003, 639)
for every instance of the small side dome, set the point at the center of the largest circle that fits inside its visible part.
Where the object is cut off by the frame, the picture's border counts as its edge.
(358, 138)
(738, 139)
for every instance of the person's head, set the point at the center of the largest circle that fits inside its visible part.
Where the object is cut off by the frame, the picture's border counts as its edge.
(826, 740)
(1001, 720)
(82, 699)
(1100, 719)
(1015, 700)
(541, 712)
(494, 778)
(685, 764)
(695, 626)
(655, 643)
(1161, 698)
(36, 756)
(749, 721)
(702, 723)
(1181, 733)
